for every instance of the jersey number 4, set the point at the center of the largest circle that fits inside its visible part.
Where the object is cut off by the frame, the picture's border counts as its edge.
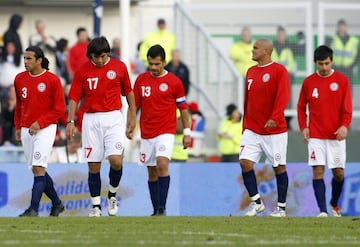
(315, 93)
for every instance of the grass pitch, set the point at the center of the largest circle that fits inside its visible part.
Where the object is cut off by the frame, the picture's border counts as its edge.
(179, 231)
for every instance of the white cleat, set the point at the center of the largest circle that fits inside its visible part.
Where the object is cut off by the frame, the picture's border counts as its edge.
(95, 212)
(336, 211)
(112, 206)
(278, 212)
(322, 215)
(255, 209)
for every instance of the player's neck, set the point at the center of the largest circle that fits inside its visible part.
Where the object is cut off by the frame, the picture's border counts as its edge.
(37, 72)
(264, 63)
(161, 74)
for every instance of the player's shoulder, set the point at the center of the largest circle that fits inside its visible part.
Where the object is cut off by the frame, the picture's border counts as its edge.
(310, 77)
(171, 75)
(142, 77)
(278, 66)
(50, 74)
(116, 62)
(340, 75)
(22, 74)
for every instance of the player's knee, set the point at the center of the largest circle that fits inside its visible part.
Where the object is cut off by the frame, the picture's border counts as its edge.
(153, 173)
(115, 162)
(338, 174)
(280, 169)
(246, 165)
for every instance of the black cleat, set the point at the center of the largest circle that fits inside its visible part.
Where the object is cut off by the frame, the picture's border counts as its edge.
(161, 212)
(29, 213)
(56, 210)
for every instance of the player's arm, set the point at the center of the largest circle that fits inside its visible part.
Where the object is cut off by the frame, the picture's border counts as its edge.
(57, 111)
(184, 115)
(282, 97)
(17, 114)
(302, 115)
(345, 114)
(70, 126)
(131, 115)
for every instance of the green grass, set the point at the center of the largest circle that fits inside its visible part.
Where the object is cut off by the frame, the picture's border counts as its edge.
(179, 231)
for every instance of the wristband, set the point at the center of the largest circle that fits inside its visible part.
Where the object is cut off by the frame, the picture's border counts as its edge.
(71, 121)
(187, 132)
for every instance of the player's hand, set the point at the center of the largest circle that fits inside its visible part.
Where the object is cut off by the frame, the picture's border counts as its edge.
(70, 130)
(341, 133)
(306, 134)
(130, 128)
(129, 132)
(18, 135)
(270, 124)
(186, 141)
(34, 128)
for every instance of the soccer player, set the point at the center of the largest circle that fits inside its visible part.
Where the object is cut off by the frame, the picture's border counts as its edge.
(267, 94)
(158, 93)
(40, 103)
(327, 96)
(99, 83)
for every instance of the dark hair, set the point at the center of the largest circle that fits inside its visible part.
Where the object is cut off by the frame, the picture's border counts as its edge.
(79, 30)
(161, 21)
(341, 22)
(61, 44)
(39, 54)
(15, 21)
(280, 28)
(229, 109)
(323, 52)
(155, 51)
(97, 46)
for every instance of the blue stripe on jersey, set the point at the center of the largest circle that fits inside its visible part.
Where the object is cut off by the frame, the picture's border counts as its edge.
(180, 100)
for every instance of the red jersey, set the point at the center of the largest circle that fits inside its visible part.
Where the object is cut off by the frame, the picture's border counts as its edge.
(100, 87)
(38, 98)
(77, 56)
(329, 104)
(267, 95)
(158, 98)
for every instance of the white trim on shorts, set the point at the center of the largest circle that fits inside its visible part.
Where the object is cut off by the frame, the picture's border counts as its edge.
(161, 145)
(327, 151)
(273, 146)
(37, 148)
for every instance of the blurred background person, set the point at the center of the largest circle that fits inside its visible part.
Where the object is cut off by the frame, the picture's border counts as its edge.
(283, 53)
(138, 65)
(229, 134)
(69, 153)
(180, 69)
(61, 57)
(46, 42)
(161, 37)
(12, 35)
(346, 50)
(115, 51)
(240, 52)
(197, 146)
(9, 68)
(179, 154)
(7, 118)
(77, 53)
